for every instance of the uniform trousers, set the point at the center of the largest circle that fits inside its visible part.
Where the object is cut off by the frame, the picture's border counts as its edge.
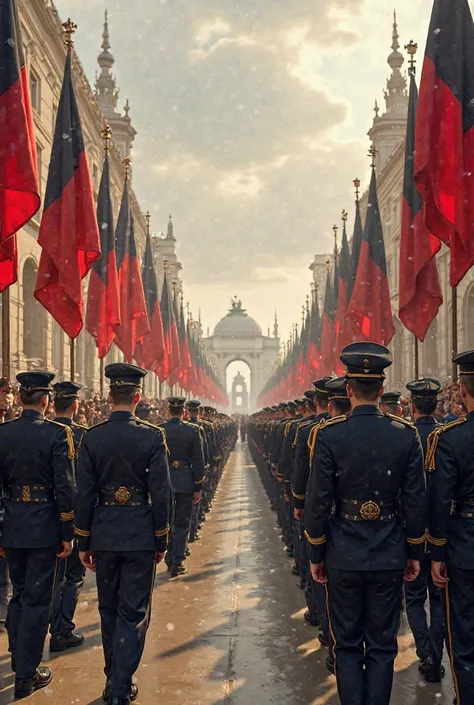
(70, 579)
(429, 640)
(183, 508)
(364, 611)
(32, 574)
(458, 599)
(125, 582)
(4, 588)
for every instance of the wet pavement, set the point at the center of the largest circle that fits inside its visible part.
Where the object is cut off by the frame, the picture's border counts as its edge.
(229, 632)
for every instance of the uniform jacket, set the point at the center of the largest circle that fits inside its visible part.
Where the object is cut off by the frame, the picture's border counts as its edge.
(369, 457)
(451, 467)
(78, 432)
(37, 452)
(425, 425)
(301, 466)
(186, 458)
(123, 452)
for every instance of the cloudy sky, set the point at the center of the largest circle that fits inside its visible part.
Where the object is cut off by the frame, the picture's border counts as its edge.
(252, 118)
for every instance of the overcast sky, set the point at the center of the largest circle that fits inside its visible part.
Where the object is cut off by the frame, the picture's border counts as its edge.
(252, 118)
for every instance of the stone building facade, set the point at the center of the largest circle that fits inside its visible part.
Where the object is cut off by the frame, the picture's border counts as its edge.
(388, 133)
(36, 339)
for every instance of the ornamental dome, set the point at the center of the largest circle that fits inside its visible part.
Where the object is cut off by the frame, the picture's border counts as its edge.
(237, 323)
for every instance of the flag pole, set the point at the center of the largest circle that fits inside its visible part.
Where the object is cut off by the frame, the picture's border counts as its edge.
(6, 349)
(454, 313)
(417, 357)
(69, 28)
(101, 377)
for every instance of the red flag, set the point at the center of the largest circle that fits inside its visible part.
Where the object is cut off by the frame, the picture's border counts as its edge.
(343, 330)
(19, 188)
(420, 290)
(170, 334)
(352, 331)
(175, 375)
(69, 234)
(328, 330)
(150, 350)
(314, 340)
(134, 323)
(370, 305)
(184, 350)
(103, 305)
(444, 152)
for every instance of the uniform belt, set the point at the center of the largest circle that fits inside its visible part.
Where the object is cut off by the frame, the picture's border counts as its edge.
(367, 509)
(123, 497)
(463, 509)
(31, 494)
(180, 465)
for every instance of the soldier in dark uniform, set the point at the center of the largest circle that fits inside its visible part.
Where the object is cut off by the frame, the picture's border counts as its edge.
(429, 639)
(71, 572)
(450, 462)
(390, 403)
(367, 465)
(36, 457)
(122, 522)
(187, 477)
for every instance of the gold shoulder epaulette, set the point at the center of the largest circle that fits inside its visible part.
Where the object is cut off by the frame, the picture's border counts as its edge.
(96, 425)
(69, 437)
(403, 421)
(433, 439)
(302, 425)
(287, 428)
(324, 423)
(163, 434)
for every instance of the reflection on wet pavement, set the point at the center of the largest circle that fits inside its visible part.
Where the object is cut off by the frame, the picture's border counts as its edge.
(230, 631)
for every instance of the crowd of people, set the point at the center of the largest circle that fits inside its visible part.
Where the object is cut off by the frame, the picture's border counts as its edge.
(373, 490)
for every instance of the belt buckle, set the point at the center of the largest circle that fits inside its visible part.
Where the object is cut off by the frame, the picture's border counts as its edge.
(26, 493)
(176, 463)
(122, 495)
(370, 511)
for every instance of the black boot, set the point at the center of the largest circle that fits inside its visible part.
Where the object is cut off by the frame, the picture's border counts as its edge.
(432, 671)
(61, 642)
(26, 687)
(178, 569)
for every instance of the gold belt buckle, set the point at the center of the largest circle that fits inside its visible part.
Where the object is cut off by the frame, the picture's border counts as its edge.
(26, 493)
(370, 511)
(122, 495)
(176, 463)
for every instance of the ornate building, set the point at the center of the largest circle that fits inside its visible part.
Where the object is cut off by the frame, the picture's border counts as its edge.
(36, 339)
(388, 133)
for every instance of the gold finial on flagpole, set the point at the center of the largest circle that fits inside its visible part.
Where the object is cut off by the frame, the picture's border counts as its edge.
(335, 231)
(106, 135)
(69, 28)
(127, 163)
(344, 216)
(356, 183)
(328, 265)
(372, 153)
(165, 266)
(411, 48)
(147, 218)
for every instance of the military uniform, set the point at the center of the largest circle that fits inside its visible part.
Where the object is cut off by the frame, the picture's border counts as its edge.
(122, 516)
(429, 637)
(450, 462)
(36, 468)
(365, 466)
(187, 477)
(71, 572)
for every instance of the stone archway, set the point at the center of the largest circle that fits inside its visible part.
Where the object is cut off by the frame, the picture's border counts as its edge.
(468, 311)
(238, 337)
(34, 319)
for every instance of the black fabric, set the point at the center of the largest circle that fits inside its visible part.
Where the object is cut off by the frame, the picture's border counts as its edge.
(373, 232)
(183, 507)
(122, 231)
(165, 306)
(410, 192)
(32, 574)
(458, 599)
(150, 285)
(69, 581)
(364, 610)
(68, 143)
(11, 52)
(105, 219)
(356, 247)
(429, 639)
(345, 259)
(186, 448)
(125, 583)
(450, 47)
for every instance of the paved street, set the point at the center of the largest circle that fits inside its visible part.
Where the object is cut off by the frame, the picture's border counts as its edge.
(231, 631)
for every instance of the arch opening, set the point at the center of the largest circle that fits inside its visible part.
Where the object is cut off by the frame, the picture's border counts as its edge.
(34, 319)
(238, 382)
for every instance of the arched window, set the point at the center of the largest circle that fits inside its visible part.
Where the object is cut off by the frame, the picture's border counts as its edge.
(34, 319)
(469, 317)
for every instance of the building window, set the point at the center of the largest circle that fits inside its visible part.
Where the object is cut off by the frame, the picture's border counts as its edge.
(39, 162)
(95, 176)
(55, 114)
(35, 93)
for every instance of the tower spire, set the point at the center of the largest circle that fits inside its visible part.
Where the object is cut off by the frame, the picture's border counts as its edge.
(170, 231)
(275, 326)
(396, 84)
(105, 87)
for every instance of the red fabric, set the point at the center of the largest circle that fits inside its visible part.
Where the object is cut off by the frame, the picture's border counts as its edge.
(327, 347)
(103, 307)
(370, 305)
(149, 351)
(69, 236)
(444, 164)
(175, 357)
(343, 327)
(134, 323)
(19, 188)
(420, 290)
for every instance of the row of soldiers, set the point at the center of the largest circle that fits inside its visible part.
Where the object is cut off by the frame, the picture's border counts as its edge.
(369, 505)
(117, 498)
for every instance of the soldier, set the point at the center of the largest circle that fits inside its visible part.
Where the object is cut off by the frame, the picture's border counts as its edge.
(187, 477)
(450, 461)
(428, 639)
(71, 572)
(143, 410)
(390, 403)
(37, 476)
(367, 465)
(122, 522)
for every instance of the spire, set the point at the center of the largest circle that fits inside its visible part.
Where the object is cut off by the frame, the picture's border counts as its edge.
(105, 87)
(275, 326)
(396, 85)
(170, 233)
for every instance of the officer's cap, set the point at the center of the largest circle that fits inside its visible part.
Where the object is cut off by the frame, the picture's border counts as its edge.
(176, 403)
(193, 404)
(37, 381)
(66, 390)
(390, 398)
(207, 409)
(426, 388)
(143, 410)
(466, 362)
(291, 405)
(300, 402)
(121, 374)
(366, 360)
(320, 385)
(282, 405)
(337, 388)
(309, 395)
